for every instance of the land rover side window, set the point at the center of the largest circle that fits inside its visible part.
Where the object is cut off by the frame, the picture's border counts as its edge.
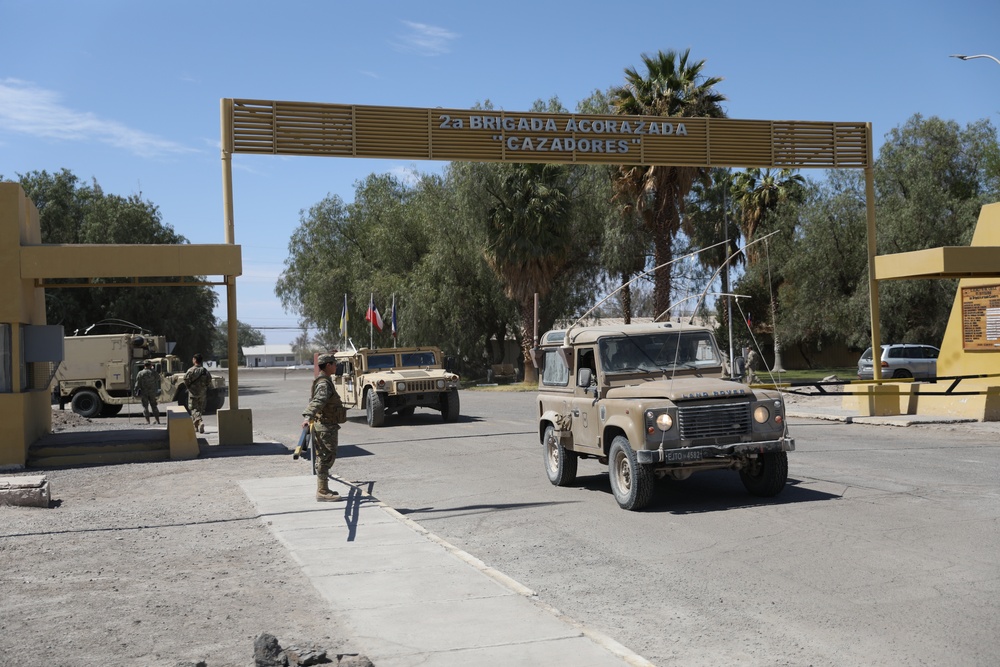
(554, 370)
(418, 359)
(585, 359)
(381, 361)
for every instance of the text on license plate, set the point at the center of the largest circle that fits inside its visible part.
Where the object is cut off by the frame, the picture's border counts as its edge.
(680, 455)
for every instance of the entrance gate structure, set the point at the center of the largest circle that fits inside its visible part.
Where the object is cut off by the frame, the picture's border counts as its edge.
(341, 130)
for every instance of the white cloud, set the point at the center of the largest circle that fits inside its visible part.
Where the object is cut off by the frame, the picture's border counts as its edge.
(28, 109)
(427, 40)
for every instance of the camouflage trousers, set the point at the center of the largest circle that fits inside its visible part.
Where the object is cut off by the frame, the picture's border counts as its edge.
(149, 407)
(324, 437)
(196, 406)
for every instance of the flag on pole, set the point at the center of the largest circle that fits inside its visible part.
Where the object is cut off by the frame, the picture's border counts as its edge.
(394, 330)
(372, 315)
(344, 317)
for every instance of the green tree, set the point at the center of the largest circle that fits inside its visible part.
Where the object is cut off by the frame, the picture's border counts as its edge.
(73, 213)
(758, 193)
(671, 86)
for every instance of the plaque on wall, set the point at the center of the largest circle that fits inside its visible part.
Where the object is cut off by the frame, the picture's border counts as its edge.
(981, 317)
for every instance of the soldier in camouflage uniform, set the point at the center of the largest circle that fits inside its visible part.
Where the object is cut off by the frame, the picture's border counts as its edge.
(148, 383)
(324, 413)
(197, 379)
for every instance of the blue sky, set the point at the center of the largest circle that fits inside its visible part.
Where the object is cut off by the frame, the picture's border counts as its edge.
(128, 93)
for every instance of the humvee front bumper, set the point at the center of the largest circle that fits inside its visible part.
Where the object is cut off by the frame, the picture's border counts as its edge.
(682, 455)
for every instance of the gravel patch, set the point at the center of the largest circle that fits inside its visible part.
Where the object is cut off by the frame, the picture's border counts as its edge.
(153, 564)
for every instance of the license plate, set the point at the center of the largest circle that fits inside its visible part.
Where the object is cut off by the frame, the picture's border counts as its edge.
(681, 455)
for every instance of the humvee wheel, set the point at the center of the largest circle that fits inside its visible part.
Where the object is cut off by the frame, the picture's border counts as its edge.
(450, 406)
(376, 409)
(110, 410)
(560, 465)
(631, 483)
(86, 403)
(766, 475)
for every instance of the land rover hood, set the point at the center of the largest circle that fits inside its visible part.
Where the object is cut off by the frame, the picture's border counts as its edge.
(687, 389)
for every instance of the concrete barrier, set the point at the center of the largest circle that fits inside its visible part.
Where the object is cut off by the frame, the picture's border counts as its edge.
(26, 491)
(180, 434)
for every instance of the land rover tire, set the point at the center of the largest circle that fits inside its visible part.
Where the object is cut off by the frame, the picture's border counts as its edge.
(560, 465)
(631, 482)
(87, 403)
(376, 408)
(450, 406)
(766, 475)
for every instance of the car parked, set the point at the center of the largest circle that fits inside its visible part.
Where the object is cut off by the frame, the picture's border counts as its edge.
(901, 361)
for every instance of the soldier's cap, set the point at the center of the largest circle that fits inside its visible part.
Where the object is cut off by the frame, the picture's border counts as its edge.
(147, 363)
(325, 359)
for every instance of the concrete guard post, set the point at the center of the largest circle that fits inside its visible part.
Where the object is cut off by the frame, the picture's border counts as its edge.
(26, 491)
(235, 426)
(180, 434)
(878, 400)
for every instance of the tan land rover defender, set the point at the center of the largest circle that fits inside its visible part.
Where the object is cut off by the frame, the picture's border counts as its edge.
(396, 381)
(650, 401)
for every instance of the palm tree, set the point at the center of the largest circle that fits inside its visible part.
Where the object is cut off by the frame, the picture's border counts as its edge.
(757, 193)
(527, 244)
(710, 223)
(672, 86)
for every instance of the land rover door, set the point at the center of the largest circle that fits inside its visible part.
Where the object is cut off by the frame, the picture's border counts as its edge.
(584, 407)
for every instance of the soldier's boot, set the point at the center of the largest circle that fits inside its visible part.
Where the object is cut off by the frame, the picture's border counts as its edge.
(323, 492)
(147, 418)
(157, 419)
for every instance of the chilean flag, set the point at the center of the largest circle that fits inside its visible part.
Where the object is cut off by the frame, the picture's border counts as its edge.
(372, 315)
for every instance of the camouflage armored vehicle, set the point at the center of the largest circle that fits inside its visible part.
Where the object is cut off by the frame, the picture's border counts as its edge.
(97, 376)
(649, 400)
(396, 381)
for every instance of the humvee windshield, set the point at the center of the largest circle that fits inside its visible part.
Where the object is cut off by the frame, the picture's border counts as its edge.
(651, 352)
(417, 359)
(407, 360)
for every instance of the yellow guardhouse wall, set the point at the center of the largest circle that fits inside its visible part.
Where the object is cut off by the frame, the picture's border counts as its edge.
(954, 359)
(24, 417)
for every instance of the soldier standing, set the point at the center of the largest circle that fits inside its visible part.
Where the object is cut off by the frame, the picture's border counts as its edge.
(324, 414)
(148, 384)
(197, 379)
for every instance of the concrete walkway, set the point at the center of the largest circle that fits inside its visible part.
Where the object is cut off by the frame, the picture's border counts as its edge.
(413, 599)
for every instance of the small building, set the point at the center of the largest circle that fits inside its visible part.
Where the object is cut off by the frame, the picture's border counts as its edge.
(269, 356)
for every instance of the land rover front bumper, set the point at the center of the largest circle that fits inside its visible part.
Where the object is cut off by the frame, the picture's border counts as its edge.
(682, 455)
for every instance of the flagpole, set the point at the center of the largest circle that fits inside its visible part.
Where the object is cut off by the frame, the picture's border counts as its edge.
(371, 321)
(393, 316)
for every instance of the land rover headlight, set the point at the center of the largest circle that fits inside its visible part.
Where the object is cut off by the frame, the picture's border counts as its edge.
(400, 386)
(761, 414)
(663, 421)
(440, 384)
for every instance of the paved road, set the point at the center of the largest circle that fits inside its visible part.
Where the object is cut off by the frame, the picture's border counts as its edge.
(882, 550)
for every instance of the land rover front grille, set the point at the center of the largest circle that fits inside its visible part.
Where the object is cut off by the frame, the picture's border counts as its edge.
(713, 421)
(420, 385)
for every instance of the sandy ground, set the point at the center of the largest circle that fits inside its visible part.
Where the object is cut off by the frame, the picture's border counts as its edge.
(152, 564)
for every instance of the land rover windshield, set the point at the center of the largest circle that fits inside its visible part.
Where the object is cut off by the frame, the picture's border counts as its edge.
(668, 350)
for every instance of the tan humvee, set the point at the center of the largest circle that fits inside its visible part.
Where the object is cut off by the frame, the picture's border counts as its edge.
(650, 401)
(396, 380)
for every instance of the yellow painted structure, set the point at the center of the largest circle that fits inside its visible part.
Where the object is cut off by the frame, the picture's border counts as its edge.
(25, 267)
(976, 266)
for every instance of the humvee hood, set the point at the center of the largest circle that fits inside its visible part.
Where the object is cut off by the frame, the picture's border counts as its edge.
(690, 389)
